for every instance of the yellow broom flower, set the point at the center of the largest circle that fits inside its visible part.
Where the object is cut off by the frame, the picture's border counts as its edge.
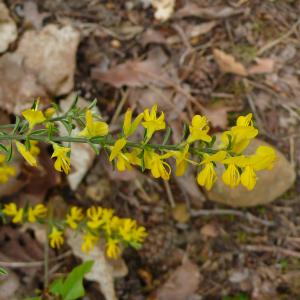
(93, 128)
(26, 154)
(37, 212)
(33, 117)
(152, 123)
(63, 161)
(56, 238)
(198, 130)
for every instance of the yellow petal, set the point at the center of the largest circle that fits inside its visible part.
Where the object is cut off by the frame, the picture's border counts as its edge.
(248, 178)
(118, 146)
(231, 176)
(26, 154)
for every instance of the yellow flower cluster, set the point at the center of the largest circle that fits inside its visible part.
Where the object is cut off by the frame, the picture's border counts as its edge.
(197, 148)
(101, 222)
(29, 214)
(95, 223)
(6, 171)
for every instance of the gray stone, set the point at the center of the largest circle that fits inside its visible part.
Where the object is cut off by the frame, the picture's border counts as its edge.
(270, 185)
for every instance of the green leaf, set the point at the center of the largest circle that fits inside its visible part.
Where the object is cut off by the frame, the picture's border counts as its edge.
(3, 148)
(39, 131)
(74, 103)
(3, 272)
(167, 135)
(9, 153)
(95, 148)
(56, 286)
(72, 288)
(93, 104)
(33, 298)
(17, 125)
(68, 126)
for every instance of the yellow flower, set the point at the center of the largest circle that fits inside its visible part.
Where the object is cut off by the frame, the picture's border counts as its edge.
(231, 176)
(18, 218)
(113, 225)
(113, 249)
(62, 159)
(34, 149)
(33, 117)
(248, 178)
(89, 242)
(94, 215)
(152, 123)
(56, 238)
(208, 176)
(240, 135)
(262, 159)
(49, 112)
(26, 154)
(74, 217)
(10, 209)
(199, 130)
(181, 160)
(131, 233)
(128, 127)
(154, 162)
(116, 149)
(93, 128)
(36, 212)
(6, 172)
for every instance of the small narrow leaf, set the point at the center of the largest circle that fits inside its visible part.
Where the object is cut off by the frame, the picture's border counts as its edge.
(167, 135)
(3, 272)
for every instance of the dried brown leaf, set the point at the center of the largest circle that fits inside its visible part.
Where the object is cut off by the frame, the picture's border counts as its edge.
(228, 64)
(263, 66)
(182, 284)
(214, 12)
(131, 73)
(8, 28)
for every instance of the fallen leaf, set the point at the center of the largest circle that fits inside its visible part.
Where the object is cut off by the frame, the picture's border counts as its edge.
(209, 230)
(214, 12)
(33, 16)
(18, 86)
(8, 28)
(51, 56)
(263, 66)
(163, 9)
(180, 213)
(182, 284)
(151, 36)
(228, 64)
(196, 30)
(9, 286)
(132, 73)
(217, 115)
(103, 270)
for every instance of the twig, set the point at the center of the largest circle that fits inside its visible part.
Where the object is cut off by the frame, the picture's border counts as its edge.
(46, 258)
(274, 249)
(217, 212)
(279, 40)
(32, 264)
(119, 107)
(169, 193)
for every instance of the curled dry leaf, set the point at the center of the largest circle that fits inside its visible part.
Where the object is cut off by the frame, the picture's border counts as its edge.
(103, 271)
(228, 64)
(163, 9)
(8, 28)
(182, 284)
